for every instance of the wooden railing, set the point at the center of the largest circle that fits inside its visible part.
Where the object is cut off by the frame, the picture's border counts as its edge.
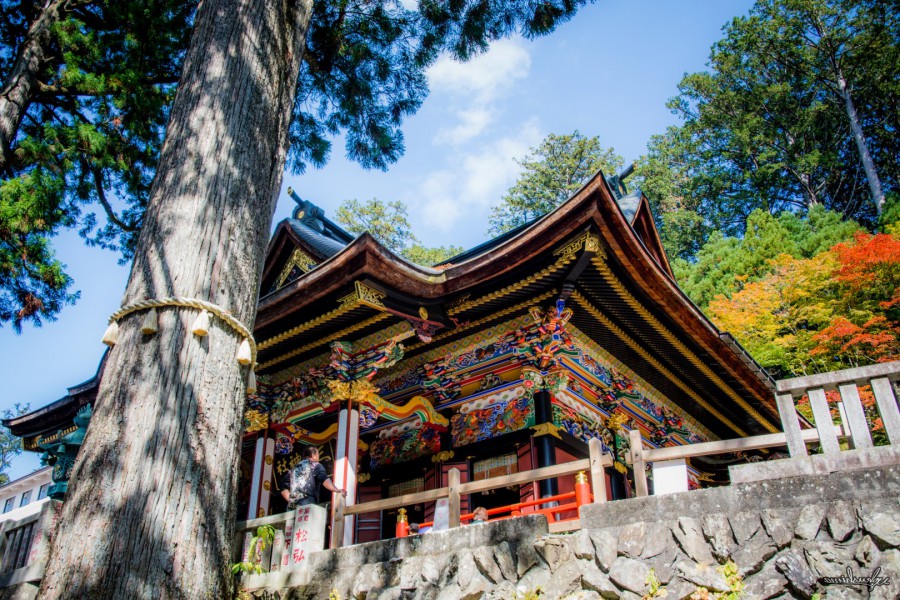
(24, 545)
(854, 426)
(594, 464)
(851, 410)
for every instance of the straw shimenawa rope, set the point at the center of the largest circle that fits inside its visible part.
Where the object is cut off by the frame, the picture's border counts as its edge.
(246, 354)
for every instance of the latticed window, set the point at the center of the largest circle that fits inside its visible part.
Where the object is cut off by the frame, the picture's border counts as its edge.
(407, 487)
(496, 466)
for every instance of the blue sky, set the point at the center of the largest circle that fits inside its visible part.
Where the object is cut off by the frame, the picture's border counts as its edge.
(608, 72)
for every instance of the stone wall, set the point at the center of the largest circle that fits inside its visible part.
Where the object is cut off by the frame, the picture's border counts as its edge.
(783, 538)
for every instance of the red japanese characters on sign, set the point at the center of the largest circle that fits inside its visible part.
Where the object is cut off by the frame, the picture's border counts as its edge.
(307, 534)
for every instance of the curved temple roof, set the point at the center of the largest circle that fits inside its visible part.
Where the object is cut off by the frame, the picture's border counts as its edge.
(615, 276)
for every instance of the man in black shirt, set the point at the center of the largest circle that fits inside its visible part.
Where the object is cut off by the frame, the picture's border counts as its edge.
(301, 484)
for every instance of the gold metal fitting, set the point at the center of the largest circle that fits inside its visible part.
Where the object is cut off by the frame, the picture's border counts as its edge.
(581, 477)
(401, 516)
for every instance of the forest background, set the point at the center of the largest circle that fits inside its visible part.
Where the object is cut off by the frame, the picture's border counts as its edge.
(775, 191)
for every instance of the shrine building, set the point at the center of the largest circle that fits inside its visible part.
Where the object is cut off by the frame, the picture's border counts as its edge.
(507, 357)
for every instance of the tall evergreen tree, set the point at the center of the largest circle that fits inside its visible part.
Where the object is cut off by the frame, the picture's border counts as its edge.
(150, 511)
(86, 89)
(797, 110)
(551, 173)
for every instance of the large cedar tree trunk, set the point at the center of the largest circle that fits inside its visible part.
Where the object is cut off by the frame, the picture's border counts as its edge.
(150, 511)
(22, 81)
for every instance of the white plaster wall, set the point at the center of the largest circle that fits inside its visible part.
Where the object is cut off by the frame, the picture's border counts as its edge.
(15, 490)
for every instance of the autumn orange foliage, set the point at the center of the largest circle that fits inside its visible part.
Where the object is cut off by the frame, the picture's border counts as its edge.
(840, 308)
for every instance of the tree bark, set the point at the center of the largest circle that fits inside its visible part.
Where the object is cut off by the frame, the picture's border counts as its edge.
(861, 145)
(22, 82)
(151, 505)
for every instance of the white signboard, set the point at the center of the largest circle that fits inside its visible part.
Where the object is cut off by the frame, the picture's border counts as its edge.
(308, 535)
(441, 515)
(277, 550)
(669, 477)
(288, 538)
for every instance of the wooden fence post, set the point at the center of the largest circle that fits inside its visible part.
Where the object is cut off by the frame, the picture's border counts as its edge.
(824, 423)
(598, 475)
(790, 424)
(453, 484)
(637, 462)
(887, 407)
(337, 522)
(856, 416)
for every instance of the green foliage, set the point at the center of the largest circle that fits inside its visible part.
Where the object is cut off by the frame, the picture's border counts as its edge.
(552, 172)
(90, 137)
(838, 309)
(95, 123)
(889, 221)
(725, 264)
(388, 223)
(729, 570)
(10, 445)
(265, 535)
(654, 588)
(733, 578)
(423, 255)
(665, 175)
(767, 127)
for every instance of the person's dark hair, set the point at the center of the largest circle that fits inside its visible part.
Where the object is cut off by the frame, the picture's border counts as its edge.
(309, 451)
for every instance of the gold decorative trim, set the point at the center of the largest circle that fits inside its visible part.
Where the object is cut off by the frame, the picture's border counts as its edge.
(423, 312)
(561, 262)
(299, 259)
(565, 254)
(363, 294)
(328, 338)
(634, 345)
(294, 331)
(50, 438)
(395, 331)
(587, 240)
(547, 429)
(633, 302)
(442, 456)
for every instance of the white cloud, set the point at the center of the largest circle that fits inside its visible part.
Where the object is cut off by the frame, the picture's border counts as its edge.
(486, 76)
(472, 122)
(472, 88)
(475, 181)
